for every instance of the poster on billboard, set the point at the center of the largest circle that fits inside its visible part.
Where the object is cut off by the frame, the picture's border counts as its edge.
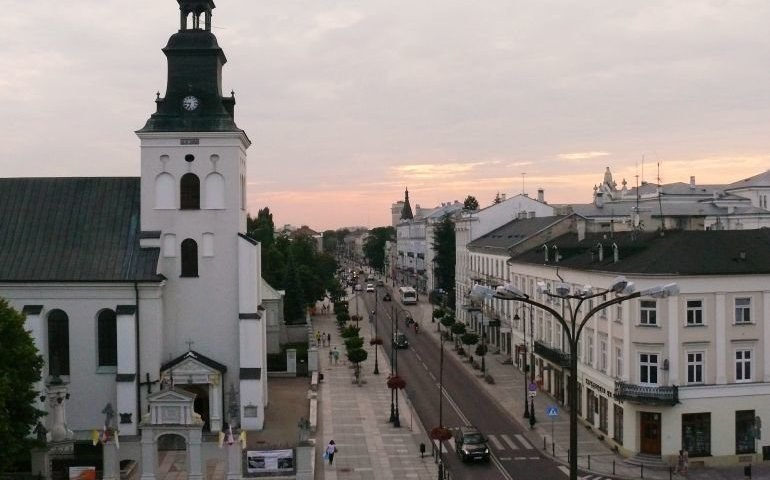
(82, 473)
(261, 461)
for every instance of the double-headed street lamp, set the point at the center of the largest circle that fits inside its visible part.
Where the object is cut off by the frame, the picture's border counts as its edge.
(622, 288)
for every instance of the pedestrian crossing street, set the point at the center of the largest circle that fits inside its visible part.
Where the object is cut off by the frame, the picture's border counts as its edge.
(502, 445)
(584, 477)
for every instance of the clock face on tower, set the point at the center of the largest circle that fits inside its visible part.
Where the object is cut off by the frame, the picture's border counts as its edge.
(190, 103)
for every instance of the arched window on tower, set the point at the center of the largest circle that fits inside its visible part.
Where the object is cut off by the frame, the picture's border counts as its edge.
(107, 335)
(58, 343)
(189, 258)
(190, 192)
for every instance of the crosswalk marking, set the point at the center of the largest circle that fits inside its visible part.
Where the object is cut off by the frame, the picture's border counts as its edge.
(510, 443)
(565, 470)
(523, 441)
(440, 445)
(494, 440)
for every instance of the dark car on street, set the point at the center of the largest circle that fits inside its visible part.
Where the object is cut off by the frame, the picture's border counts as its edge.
(386, 298)
(400, 341)
(471, 444)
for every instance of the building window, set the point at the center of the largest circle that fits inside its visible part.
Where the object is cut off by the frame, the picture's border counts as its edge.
(694, 367)
(743, 365)
(590, 399)
(107, 324)
(189, 258)
(603, 414)
(648, 368)
(744, 432)
(603, 355)
(618, 362)
(694, 312)
(648, 312)
(590, 349)
(190, 192)
(617, 425)
(58, 344)
(618, 314)
(696, 434)
(743, 310)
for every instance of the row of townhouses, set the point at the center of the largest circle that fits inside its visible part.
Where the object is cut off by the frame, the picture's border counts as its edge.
(655, 375)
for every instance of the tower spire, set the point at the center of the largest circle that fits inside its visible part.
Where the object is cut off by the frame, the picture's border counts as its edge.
(406, 212)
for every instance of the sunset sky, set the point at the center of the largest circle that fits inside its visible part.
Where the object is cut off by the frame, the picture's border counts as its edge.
(349, 102)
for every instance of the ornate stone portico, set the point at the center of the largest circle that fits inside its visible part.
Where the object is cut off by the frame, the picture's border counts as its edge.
(171, 413)
(193, 372)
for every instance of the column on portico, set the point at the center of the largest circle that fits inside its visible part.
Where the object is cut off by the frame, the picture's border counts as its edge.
(215, 402)
(148, 460)
(194, 455)
(126, 376)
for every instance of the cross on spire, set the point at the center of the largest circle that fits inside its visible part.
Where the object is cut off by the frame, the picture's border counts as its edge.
(189, 343)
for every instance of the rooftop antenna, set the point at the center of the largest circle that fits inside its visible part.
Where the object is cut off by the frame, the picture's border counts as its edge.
(660, 203)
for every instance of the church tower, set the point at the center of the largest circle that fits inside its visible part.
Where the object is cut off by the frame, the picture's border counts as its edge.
(193, 206)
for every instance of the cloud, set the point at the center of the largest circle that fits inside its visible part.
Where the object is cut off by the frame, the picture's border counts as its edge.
(581, 155)
(437, 170)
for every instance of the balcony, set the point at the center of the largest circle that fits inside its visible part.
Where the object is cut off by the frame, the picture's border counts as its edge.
(553, 355)
(647, 394)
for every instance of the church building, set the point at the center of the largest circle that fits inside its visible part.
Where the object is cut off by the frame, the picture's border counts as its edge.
(133, 285)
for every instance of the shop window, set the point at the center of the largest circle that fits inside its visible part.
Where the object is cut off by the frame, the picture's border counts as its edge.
(603, 414)
(696, 434)
(744, 432)
(617, 433)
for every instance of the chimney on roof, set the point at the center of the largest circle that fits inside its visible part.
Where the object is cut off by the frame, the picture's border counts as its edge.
(502, 196)
(692, 182)
(541, 195)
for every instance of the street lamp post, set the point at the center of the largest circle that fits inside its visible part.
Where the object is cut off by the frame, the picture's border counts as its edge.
(376, 336)
(623, 289)
(392, 364)
(526, 368)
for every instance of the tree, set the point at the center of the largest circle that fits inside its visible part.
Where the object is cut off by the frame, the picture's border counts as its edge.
(497, 199)
(329, 241)
(262, 227)
(20, 368)
(294, 305)
(470, 203)
(374, 246)
(444, 246)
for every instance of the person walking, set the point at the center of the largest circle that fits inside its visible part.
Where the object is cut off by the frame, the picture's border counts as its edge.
(329, 339)
(331, 449)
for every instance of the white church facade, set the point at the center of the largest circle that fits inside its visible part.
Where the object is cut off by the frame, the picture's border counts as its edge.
(130, 285)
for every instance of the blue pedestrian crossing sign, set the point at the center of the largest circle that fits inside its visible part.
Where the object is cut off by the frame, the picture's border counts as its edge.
(552, 411)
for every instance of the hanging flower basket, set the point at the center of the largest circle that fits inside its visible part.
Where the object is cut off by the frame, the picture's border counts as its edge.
(375, 341)
(396, 382)
(441, 434)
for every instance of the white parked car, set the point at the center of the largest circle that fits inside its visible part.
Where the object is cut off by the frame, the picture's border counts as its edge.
(369, 287)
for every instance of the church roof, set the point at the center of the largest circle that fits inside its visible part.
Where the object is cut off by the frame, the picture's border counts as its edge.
(72, 230)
